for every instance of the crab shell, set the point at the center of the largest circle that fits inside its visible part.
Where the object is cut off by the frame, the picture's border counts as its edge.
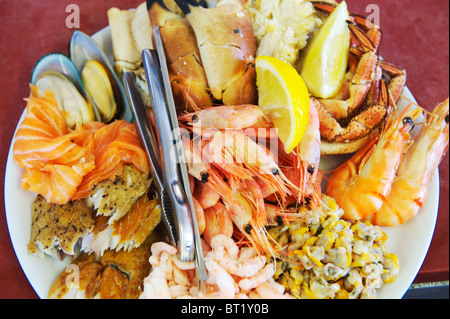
(187, 76)
(227, 48)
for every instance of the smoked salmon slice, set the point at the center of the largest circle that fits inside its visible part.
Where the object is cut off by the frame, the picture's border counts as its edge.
(115, 144)
(62, 164)
(55, 159)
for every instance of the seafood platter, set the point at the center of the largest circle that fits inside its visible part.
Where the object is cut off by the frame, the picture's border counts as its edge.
(309, 170)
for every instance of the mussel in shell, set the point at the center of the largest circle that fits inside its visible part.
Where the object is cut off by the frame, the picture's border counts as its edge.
(56, 72)
(98, 85)
(84, 50)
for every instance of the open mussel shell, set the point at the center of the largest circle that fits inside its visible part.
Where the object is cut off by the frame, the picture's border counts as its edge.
(82, 49)
(57, 62)
(57, 73)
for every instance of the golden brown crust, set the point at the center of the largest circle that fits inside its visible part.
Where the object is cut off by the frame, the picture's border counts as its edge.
(117, 275)
(111, 283)
(139, 222)
(116, 197)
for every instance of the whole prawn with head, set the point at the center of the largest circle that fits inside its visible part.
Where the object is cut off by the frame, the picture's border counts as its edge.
(416, 170)
(361, 184)
(242, 198)
(306, 159)
(386, 182)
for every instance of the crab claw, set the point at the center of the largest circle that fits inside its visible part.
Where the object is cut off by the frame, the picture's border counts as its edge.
(187, 76)
(227, 48)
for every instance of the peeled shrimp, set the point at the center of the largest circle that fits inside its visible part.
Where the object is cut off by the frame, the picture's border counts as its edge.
(252, 277)
(416, 170)
(226, 255)
(158, 248)
(156, 286)
(220, 277)
(183, 265)
(262, 276)
(361, 184)
(270, 290)
(224, 245)
(156, 283)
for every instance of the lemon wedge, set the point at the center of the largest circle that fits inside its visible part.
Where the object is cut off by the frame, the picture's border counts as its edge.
(324, 63)
(284, 99)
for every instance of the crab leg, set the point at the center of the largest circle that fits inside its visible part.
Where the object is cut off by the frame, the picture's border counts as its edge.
(372, 30)
(370, 118)
(398, 78)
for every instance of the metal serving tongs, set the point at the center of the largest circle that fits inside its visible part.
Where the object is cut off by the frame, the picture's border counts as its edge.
(148, 135)
(179, 185)
(178, 149)
(173, 179)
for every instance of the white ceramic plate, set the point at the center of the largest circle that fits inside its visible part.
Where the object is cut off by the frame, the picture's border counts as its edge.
(409, 241)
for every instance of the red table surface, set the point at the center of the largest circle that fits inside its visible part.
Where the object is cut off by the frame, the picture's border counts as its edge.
(415, 35)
